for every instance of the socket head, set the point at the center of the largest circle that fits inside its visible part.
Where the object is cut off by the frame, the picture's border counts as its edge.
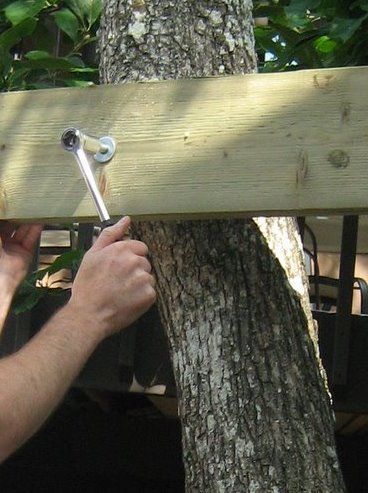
(71, 139)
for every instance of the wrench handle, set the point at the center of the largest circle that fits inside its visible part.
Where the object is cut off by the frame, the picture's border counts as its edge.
(106, 223)
(127, 342)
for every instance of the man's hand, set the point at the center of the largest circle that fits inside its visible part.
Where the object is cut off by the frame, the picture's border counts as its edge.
(114, 285)
(18, 244)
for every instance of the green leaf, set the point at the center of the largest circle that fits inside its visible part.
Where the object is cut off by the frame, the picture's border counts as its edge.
(68, 23)
(37, 55)
(13, 35)
(78, 7)
(27, 299)
(29, 296)
(18, 74)
(45, 63)
(94, 11)
(76, 61)
(88, 10)
(87, 70)
(21, 10)
(324, 44)
(68, 260)
(300, 7)
(344, 29)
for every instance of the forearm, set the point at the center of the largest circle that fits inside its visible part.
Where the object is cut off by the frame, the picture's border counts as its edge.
(7, 291)
(34, 380)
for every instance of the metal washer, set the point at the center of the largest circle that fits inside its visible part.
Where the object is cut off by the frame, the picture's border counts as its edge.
(109, 142)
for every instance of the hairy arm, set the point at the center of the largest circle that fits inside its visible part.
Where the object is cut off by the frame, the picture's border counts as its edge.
(35, 379)
(112, 289)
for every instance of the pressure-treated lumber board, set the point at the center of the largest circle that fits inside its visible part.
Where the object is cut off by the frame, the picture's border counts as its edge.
(291, 143)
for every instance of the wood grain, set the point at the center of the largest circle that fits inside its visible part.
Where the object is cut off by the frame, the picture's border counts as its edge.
(292, 143)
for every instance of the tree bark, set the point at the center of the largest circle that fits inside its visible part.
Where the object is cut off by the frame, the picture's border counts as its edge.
(255, 411)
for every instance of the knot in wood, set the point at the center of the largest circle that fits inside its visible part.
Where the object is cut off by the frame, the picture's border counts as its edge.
(338, 158)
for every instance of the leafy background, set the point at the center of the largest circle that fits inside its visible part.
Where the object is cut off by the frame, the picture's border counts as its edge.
(312, 34)
(48, 43)
(51, 43)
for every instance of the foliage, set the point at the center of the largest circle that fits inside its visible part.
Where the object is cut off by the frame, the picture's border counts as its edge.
(312, 34)
(30, 293)
(47, 43)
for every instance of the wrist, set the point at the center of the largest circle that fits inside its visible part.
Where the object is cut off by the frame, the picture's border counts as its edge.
(83, 321)
(8, 285)
(7, 291)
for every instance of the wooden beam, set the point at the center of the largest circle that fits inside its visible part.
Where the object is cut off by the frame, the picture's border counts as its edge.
(290, 143)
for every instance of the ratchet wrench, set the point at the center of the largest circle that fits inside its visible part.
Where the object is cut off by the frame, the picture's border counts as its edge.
(79, 143)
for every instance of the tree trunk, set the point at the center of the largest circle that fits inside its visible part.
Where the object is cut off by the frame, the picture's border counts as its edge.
(254, 407)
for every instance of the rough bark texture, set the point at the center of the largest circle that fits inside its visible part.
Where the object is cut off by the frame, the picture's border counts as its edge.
(255, 412)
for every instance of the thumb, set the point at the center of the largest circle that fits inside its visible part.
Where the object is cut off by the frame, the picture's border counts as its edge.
(112, 234)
